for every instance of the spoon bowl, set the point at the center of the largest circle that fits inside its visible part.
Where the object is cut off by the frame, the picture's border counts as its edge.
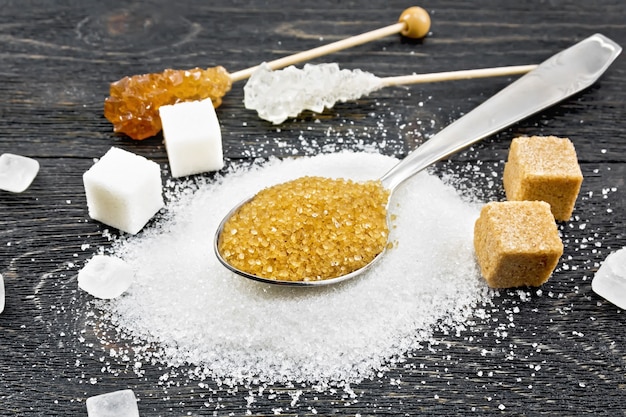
(561, 76)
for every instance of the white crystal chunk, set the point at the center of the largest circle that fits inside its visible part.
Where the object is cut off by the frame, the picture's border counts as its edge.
(609, 281)
(193, 138)
(113, 404)
(278, 95)
(17, 172)
(105, 276)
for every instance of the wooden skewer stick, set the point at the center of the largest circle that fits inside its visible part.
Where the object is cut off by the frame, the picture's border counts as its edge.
(456, 75)
(414, 23)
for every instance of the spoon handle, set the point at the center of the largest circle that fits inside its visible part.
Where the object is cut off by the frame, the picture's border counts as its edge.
(557, 78)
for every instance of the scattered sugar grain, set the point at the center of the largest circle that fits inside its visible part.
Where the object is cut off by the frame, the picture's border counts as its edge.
(2, 294)
(190, 310)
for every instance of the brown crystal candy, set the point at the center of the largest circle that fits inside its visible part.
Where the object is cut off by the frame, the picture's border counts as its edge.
(134, 101)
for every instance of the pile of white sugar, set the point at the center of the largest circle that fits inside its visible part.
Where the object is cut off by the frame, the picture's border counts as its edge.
(184, 308)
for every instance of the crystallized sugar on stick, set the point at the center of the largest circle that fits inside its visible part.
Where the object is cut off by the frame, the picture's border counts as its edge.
(543, 168)
(133, 104)
(123, 190)
(278, 95)
(185, 308)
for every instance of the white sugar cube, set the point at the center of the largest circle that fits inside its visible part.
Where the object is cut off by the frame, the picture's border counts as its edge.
(17, 172)
(1, 294)
(105, 276)
(113, 404)
(193, 138)
(123, 190)
(610, 279)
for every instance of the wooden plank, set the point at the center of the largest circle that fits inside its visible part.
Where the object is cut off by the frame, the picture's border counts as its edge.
(564, 349)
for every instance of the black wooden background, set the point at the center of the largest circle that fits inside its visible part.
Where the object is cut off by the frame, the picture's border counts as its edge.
(56, 61)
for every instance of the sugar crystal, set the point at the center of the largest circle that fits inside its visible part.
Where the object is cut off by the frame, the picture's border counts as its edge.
(113, 404)
(543, 168)
(610, 280)
(2, 294)
(17, 172)
(105, 276)
(278, 95)
(193, 138)
(123, 190)
(134, 101)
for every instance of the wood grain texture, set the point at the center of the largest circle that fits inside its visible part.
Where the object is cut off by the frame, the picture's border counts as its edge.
(564, 349)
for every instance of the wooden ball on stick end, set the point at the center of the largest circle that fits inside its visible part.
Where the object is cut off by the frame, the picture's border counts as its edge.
(417, 22)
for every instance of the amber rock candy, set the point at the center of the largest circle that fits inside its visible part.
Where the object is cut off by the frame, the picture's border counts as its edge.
(134, 101)
(308, 229)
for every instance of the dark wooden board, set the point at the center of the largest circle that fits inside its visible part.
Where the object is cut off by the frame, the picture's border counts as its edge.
(56, 61)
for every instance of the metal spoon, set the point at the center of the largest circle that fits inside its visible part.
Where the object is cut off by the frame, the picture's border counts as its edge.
(557, 78)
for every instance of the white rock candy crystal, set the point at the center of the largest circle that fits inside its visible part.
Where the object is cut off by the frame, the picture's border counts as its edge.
(113, 404)
(105, 277)
(17, 172)
(610, 280)
(278, 95)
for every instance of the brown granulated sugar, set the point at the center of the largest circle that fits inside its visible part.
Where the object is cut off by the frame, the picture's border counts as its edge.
(311, 228)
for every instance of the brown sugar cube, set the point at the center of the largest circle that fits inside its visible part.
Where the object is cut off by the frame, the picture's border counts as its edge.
(543, 168)
(517, 243)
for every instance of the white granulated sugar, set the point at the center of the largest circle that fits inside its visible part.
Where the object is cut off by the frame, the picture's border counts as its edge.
(191, 310)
